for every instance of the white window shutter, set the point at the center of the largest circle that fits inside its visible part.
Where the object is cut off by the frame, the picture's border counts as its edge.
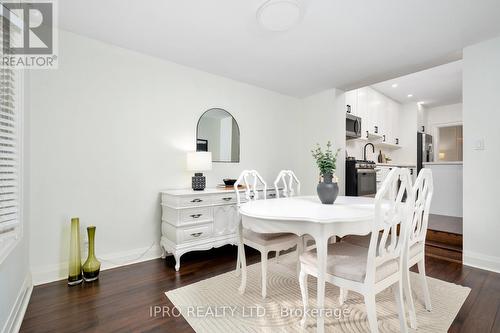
(9, 149)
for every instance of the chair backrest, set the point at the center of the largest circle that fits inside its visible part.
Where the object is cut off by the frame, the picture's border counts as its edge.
(423, 190)
(393, 215)
(287, 178)
(252, 182)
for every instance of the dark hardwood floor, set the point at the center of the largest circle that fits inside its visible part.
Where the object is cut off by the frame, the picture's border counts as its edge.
(121, 300)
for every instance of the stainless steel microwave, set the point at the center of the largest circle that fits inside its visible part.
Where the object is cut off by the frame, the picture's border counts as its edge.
(352, 126)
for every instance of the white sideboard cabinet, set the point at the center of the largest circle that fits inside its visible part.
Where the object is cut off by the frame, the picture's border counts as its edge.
(198, 220)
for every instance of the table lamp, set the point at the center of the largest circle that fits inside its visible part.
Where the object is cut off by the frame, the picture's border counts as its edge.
(199, 161)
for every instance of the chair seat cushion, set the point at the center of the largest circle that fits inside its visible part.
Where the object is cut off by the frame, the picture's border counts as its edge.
(364, 241)
(269, 239)
(348, 261)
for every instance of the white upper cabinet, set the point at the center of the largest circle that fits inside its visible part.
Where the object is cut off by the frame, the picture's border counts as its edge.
(393, 110)
(351, 99)
(375, 110)
(362, 111)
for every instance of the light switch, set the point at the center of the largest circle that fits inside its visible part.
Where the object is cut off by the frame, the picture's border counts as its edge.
(479, 144)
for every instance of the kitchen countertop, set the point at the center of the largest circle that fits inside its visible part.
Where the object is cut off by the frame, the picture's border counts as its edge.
(393, 164)
(444, 163)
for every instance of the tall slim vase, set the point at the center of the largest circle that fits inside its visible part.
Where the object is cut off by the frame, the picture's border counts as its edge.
(92, 266)
(75, 261)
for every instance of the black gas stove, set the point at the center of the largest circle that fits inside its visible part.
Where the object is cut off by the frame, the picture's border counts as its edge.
(361, 178)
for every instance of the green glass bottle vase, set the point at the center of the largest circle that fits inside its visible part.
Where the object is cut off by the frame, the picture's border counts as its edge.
(75, 261)
(92, 266)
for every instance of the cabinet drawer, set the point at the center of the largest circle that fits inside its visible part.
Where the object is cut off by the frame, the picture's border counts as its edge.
(229, 198)
(272, 194)
(195, 214)
(195, 233)
(200, 200)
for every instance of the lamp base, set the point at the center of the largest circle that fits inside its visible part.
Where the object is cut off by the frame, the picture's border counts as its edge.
(198, 182)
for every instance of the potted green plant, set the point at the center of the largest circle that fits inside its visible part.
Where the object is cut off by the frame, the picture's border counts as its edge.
(328, 187)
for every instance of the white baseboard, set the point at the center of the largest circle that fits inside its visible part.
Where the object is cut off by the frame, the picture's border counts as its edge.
(16, 315)
(51, 273)
(482, 261)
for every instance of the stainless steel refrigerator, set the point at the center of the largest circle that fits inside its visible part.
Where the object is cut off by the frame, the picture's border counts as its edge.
(425, 149)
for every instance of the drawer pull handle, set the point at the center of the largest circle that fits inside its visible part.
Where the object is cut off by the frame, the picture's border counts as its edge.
(197, 234)
(227, 199)
(196, 200)
(195, 216)
(272, 195)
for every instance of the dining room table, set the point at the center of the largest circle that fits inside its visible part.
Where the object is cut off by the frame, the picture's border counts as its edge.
(306, 215)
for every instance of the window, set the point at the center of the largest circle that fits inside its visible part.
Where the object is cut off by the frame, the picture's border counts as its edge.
(10, 153)
(450, 144)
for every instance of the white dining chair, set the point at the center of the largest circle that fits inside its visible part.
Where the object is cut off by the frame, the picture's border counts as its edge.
(371, 270)
(290, 184)
(255, 188)
(423, 190)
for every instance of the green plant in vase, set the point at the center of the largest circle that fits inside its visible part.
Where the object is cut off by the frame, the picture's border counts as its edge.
(92, 266)
(326, 161)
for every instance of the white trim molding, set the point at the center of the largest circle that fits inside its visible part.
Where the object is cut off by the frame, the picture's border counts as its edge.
(16, 316)
(482, 261)
(47, 274)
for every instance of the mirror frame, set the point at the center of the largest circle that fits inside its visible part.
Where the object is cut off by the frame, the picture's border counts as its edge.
(239, 134)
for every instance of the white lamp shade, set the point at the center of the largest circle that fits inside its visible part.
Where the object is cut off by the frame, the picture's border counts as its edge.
(199, 161)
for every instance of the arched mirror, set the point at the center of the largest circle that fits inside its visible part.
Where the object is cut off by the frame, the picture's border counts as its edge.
(218, 133)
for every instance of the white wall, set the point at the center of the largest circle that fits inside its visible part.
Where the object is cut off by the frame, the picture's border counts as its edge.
(442, 116)
(481, 116)
(110, 130)
(322, 119)
(448, 189)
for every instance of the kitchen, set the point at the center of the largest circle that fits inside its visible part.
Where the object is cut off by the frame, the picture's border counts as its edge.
(414, 121)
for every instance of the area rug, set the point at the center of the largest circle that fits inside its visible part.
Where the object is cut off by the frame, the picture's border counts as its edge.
(214, 305)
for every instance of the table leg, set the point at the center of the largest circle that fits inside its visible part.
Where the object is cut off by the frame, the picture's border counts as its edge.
(322, 251)
(243, 261)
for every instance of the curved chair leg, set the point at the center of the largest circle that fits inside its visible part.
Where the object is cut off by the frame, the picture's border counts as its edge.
(409, 297)
(398, 295)
(425, 287)
(238, 263)
(300, 250)
(243, 263)
(371, 312)
(263, 262)
(343, 295)
(305, 295)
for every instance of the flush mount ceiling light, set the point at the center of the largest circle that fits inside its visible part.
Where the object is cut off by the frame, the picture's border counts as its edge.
(410, 95)
(394, 85)
(279, 15)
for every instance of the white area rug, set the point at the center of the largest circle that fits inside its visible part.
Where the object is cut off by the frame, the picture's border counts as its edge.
(214, 305)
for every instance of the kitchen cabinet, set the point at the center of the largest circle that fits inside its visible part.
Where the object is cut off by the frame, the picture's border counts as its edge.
(421, 119)
(369, 110)
(351, 98)
(392, 121)
(375, 110)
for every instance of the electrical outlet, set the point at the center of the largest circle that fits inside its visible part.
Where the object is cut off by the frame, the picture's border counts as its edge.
(479, 144)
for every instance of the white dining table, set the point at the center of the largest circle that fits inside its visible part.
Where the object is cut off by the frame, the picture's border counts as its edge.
(307, 215)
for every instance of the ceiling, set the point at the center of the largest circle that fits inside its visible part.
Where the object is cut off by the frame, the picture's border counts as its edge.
(432, 87)
(338, 43)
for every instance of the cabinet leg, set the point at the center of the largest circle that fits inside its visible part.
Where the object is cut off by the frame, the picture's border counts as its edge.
(163, 252)
(177, 262)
